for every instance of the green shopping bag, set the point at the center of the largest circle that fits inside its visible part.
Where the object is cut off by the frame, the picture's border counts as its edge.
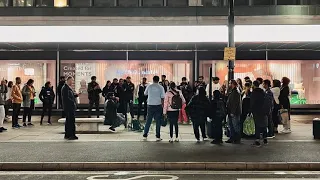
(249, 126)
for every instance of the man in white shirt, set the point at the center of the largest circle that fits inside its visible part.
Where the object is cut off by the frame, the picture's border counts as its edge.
(215, 85)
(156, 94)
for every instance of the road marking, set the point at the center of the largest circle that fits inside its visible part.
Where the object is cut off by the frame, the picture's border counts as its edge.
(163, 177)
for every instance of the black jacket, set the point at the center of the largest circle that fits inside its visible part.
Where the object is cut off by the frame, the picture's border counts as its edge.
(246, 104)
(163, 84)
(128, 89)
(142, 87)
(186, 91)
(93, 94)
(47, 95)
(107, 90)
(68, 98)
(198, 108)
(284, 97)
(257, 100)
(234, 102)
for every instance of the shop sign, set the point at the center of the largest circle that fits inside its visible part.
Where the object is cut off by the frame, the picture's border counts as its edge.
(230, 54)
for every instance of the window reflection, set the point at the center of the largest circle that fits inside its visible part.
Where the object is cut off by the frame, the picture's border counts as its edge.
(3, 3)
(60, 3)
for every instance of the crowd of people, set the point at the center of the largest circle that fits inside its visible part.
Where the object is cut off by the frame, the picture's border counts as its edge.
(231, 102)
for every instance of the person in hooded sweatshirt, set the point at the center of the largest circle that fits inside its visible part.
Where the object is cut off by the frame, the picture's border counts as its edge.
(259, 115)
(47, 97)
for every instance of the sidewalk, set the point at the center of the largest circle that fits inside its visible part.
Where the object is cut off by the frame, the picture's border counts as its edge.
(301, 127)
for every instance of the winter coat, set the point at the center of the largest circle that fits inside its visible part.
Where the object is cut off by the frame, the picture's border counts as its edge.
(186, 91)
(198, 108)
(47, 95)
(128, 89)
(234, 102)
(256, 103)
(93, 94)
(284, 97)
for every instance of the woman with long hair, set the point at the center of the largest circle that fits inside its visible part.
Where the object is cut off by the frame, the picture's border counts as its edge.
(240, 86)
(107, 89)
(285, 102)
(28, 94)
(170, 111)
(47, 97)
(199, 109)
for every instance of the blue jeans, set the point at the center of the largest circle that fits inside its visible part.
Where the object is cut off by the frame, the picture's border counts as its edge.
(234, 125)
(155, 112)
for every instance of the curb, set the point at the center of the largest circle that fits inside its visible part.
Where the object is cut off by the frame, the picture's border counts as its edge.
(159, 166)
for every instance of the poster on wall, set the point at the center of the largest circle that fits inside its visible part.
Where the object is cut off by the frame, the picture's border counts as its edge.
(84, 72)
(68, 69)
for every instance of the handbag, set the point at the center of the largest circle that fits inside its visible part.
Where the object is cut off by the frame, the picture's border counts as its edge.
(249, 125)
(284, 116)
(164, 121)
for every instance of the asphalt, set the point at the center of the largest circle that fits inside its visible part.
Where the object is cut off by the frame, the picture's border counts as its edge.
(158, 176)
(157, 152)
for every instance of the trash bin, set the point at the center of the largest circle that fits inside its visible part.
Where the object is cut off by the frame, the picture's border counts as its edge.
(316, 128)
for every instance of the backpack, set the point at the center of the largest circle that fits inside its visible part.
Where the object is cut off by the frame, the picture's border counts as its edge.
(176, 101)
(267, 103)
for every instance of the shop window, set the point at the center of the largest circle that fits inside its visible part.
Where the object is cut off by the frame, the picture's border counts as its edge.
(214, 3)
(3, 3)
(23, 3)
(177, 3)
(241, 2)
(288, 2)
(263, 2)
(128, 3)
(80, 3)
(304, 75)
(82, 70)
(104, 3)
(312, 2)
(40, 71)
(45, 3)
(60, 3)
(152, 3)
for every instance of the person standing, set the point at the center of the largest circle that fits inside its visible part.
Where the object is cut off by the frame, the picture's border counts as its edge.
(219, 112)
(245, 106)
(8, 103)
(128, 88)
(198, 110)
(120, 94)
(142, 99)
(171, 109)
(106, 90)
(94, 91)
(156, 94)
(3, 91)
(28, 93)
(59, 88)
(285, 102)
(275, 113)
(234, 113)
(270, 99)
(69, 107)
(47, 97)
(257, 101)
(215, 85)
(16, 102)
(163, 83)
(187, 93)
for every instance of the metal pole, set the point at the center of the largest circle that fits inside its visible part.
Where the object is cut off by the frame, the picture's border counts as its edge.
(210, 83)
(57, 77)
(231, 42)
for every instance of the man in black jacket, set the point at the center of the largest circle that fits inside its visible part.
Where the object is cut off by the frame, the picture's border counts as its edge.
(128, 88)
(186, 90)
(142, 99)
(60, 85)
(257, 100)
(93, 94)
(69, 107)
(163, 83)
(234, 112)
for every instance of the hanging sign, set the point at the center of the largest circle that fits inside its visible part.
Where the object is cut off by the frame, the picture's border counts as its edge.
(229, 54)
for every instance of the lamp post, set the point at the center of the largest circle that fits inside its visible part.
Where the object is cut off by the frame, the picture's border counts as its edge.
(231, 42)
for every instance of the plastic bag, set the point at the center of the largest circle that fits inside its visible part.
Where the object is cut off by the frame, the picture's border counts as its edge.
(249, 125)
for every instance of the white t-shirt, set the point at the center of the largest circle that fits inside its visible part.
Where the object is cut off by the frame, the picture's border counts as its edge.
(155, 93)
(8, 95)
(276, 94)
(214, 88)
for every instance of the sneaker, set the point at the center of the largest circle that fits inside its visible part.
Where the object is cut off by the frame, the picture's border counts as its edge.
(185, 123)
(30, 124)
(145, 137)
(158, 139)
(177, 140)
(265, 142)
(286, 131)
(112, 129)
(198, 140)
(170, 140)
(3, 129)
(229, 141)
(18, 125)
(49, 123)
(271, 137)
(256, 144)
(205, 139)
(24, 125)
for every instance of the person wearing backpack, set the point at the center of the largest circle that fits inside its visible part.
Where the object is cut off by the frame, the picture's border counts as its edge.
(219, 112)
(258, 98)
(198, 110)
(173, 102)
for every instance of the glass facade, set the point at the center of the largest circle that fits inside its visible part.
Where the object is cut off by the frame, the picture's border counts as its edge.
(105, 70)
(79, 3)
(40, 71)
(288, 2)
(263, 2)
(4, 3)
(304, 75)
(27, 3)
(60, 3)
(104, 3)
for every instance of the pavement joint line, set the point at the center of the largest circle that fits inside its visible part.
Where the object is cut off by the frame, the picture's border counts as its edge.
(162, 166)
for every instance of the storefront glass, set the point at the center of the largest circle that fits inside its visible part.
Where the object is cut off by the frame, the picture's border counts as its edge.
(40, 71)
(82, 70)
(304, 75)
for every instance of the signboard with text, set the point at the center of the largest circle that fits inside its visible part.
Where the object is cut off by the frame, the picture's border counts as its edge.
(229, 54)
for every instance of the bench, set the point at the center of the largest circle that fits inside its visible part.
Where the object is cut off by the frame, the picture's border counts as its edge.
(86, 124)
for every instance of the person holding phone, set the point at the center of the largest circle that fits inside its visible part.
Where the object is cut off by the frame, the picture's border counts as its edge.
(29, 94)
